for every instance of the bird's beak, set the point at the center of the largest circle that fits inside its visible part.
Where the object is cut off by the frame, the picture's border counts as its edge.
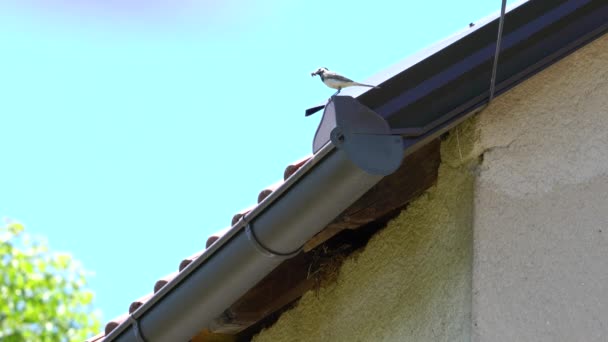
(314, 73)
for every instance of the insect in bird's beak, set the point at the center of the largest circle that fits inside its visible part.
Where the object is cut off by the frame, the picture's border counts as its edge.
(317, 72)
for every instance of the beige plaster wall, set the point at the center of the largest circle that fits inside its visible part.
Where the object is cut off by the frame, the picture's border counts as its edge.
(541, 207)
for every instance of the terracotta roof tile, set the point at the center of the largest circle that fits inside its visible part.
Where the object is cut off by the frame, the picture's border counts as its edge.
(268, 190)
(112, 324)
(214, 237)
(136, 304)
(240, 214)
(163, 281)
(191, 258)
(293, 167)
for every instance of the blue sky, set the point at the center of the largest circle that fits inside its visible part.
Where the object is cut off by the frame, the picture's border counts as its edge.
(130, 131)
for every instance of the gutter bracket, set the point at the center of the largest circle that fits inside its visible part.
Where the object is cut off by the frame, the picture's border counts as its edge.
(265, 250)
(361, 133)
(139, 337)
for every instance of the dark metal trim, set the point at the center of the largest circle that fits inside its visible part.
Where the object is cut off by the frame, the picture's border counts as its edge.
(552, 35)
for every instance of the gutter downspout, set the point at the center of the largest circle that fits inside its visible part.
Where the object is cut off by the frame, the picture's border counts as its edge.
(354, 150)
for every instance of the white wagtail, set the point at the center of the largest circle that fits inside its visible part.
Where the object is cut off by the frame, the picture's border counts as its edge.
(336, 81)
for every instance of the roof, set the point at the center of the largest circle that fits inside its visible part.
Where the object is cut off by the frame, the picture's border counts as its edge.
(421, 97)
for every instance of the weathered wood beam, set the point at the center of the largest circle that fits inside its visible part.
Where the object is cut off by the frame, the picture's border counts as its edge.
(208, 336)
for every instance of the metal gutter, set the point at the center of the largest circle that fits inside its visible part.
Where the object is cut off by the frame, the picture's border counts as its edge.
(223, 240)
(357, 153)
(421, 99)
(238, 227)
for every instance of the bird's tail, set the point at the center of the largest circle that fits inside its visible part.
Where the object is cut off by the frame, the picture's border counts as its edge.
(365, 85)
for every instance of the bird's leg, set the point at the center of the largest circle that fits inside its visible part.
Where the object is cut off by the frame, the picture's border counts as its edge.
(338, 92)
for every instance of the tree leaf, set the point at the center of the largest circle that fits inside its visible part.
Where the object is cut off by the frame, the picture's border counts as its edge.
(44, 294)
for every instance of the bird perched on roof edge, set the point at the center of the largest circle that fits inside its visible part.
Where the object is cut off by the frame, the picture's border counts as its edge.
(336, 81)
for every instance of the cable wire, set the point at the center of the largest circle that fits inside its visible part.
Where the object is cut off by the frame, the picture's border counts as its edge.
(497, 52)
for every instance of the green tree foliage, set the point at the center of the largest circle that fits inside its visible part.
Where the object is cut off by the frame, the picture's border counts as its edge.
(42, 294)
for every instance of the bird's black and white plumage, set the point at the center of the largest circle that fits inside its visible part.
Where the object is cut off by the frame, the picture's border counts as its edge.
(336, 81)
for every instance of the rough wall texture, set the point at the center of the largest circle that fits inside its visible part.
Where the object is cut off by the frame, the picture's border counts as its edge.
(541, 207)
(413, 279)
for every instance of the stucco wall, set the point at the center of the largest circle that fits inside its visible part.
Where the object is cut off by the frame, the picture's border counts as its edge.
(413, 279)
(512, 249)
(541, 207)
